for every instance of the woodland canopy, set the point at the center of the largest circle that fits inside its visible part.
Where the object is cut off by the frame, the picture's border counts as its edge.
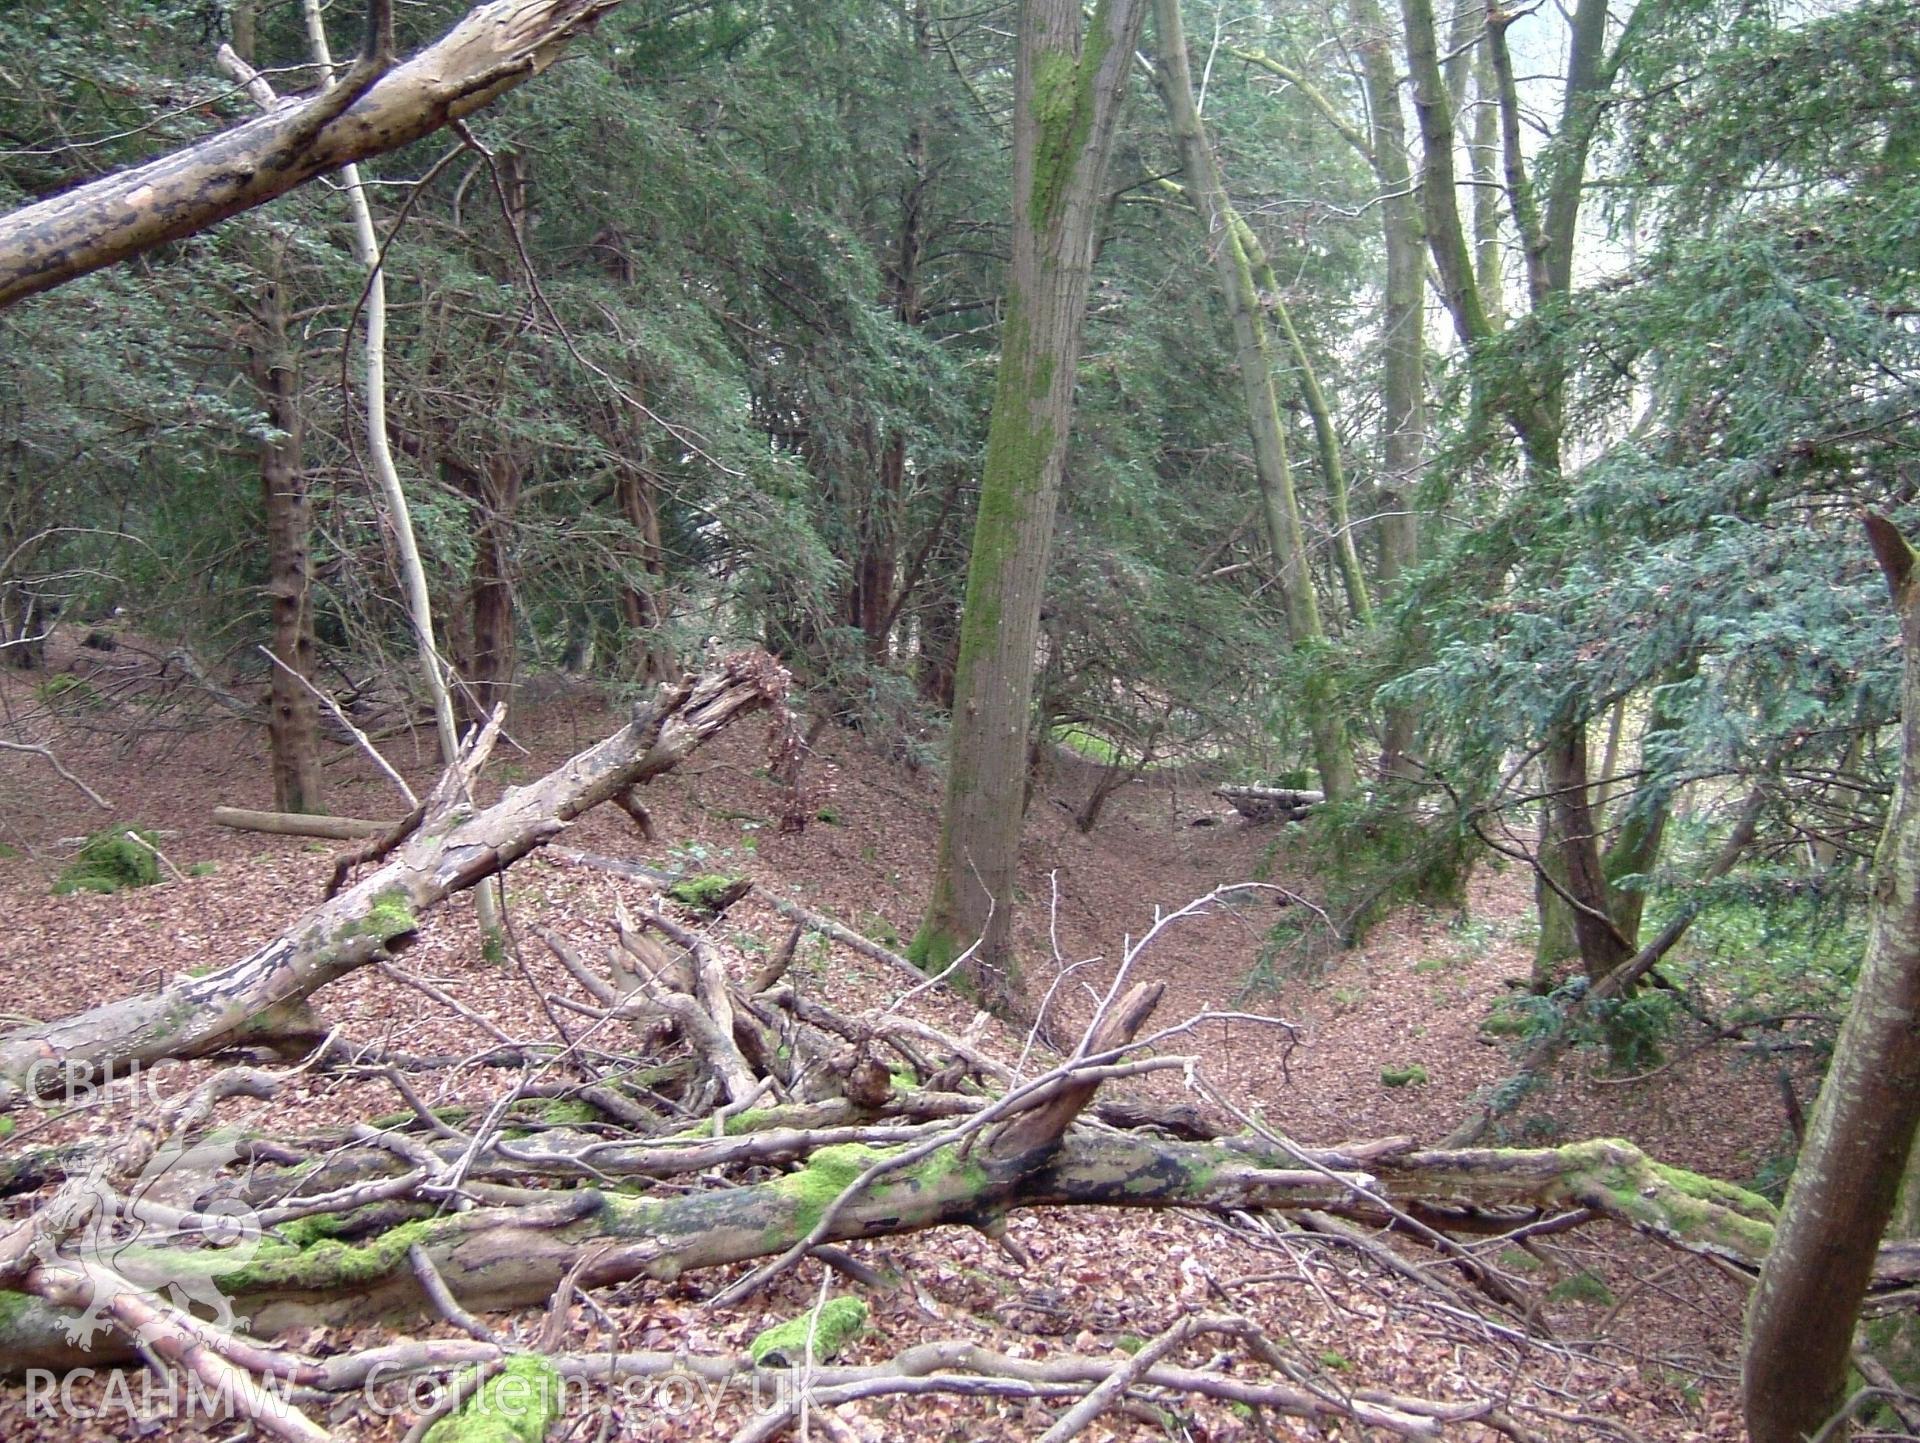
(1429, 468)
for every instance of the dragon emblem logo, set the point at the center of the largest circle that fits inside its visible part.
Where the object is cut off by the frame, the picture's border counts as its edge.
(165, 1236)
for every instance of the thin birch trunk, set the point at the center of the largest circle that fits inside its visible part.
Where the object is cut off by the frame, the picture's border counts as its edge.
(413, 575)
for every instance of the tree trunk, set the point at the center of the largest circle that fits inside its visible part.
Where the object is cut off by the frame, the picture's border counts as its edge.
(1403, 359)
(293, 724)
(1554, 941)
(1068, 92)
(939, 647)
(871, 586)
(1235, 251)
(640, 602)
(1326, 443)
(23, 625)
(1801, 1319)
(1643, 824)
(874, 599)
(1433, 108)
(1488, 261)
(487, 680)
(1602, 946)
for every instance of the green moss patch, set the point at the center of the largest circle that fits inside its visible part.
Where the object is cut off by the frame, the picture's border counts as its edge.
(516, 1405)
(111, 860)
(1582, 1288)
(836, 1324)
(710, 892)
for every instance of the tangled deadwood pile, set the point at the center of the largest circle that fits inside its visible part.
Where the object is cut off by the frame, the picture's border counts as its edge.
(694, 1116)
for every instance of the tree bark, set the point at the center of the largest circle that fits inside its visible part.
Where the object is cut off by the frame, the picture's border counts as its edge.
(1234, 249)
(487, 676)
(1801, 1319)
(492, 49)
(1068, 92)
(293, 723)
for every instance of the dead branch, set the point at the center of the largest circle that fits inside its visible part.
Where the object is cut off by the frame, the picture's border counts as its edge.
(66, 776)
(454, 851)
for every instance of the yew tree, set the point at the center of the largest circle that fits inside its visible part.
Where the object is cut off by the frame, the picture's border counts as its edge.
(1070, 79)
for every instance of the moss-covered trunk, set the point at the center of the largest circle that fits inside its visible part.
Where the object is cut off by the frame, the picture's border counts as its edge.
(1236, 257)
(1800, 1323)
(500, 1257)
(1068, 90)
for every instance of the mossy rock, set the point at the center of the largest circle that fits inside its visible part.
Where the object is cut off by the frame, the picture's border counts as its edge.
(1414, 1076)
(110, 860)
(784, 1345)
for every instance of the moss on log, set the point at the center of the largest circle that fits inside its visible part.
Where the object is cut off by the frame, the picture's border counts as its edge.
(817, 1335)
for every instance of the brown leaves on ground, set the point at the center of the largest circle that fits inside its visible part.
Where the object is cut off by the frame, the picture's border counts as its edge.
(1643, 1343)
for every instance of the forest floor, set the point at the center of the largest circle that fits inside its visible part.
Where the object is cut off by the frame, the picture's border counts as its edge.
(1635, 1342)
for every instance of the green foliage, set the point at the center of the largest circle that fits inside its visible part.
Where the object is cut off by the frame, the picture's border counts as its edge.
(1774, 940)
(1633, 1028)
(1375, 858)
(1582, 1288)
(110, 860)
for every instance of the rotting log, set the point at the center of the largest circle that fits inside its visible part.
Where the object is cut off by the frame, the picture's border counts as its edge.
(1270, 804)
(454, 848)
(507, 1256)
(298, 824)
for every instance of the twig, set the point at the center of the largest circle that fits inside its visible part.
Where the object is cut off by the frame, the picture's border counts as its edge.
(359, 736)
(442, 1298)
(54, 762)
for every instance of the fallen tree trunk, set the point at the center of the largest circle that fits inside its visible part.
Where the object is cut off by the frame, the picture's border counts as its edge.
(453, 849)
(1270, 804)
(299, 824)
(497, 1257)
